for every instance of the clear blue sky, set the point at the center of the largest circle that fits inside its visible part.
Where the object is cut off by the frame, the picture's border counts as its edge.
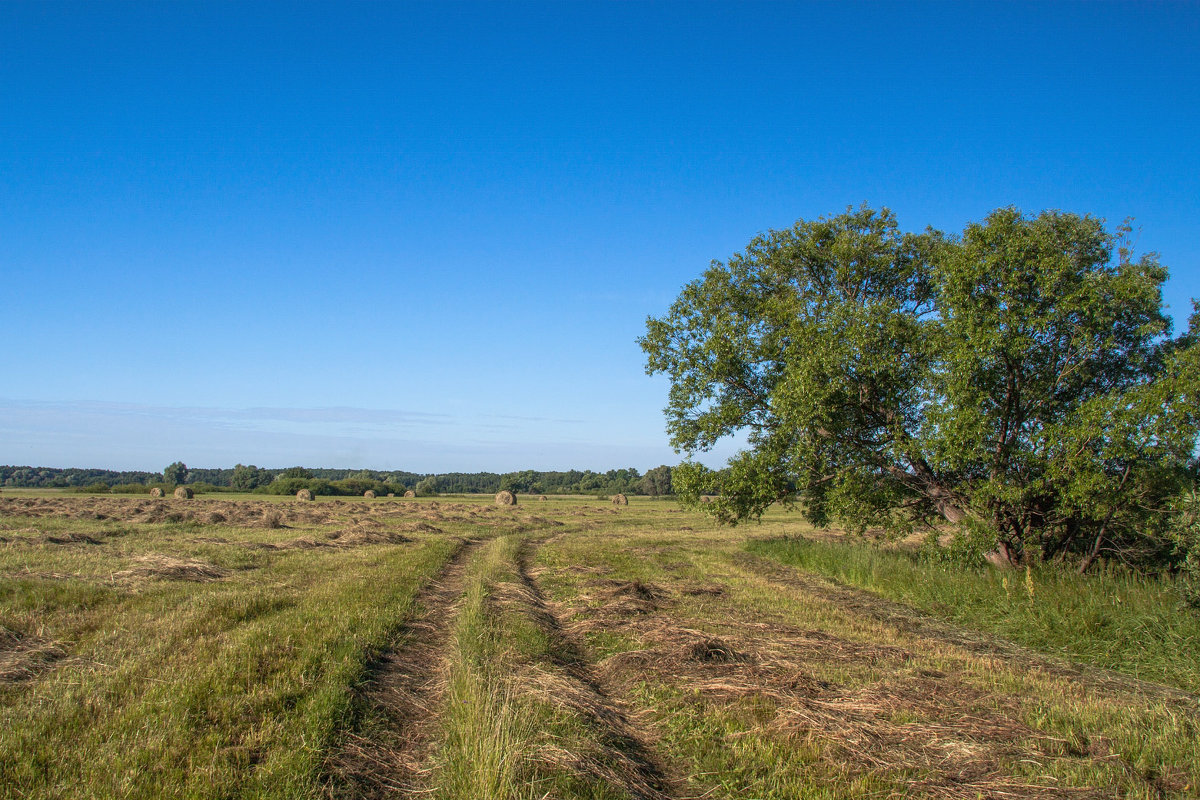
(426, 236)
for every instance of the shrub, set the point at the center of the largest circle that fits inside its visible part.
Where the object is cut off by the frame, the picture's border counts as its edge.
(99, 487)
(1185, 533)
(968, 545)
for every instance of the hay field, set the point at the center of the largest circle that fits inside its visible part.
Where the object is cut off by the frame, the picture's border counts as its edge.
(571, 648)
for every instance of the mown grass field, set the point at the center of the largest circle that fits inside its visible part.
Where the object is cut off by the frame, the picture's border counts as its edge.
(246, 647)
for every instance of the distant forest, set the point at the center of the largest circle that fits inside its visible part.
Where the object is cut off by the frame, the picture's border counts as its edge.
(243, 478)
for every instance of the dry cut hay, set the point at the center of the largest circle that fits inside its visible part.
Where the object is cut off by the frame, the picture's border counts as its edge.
(23, 656)
(156, 492)
(369, 494)
(183, 493)
(156, 565)
(304, 494)
(363, 536)
(620, 500)
(505, 498)
(410, 493)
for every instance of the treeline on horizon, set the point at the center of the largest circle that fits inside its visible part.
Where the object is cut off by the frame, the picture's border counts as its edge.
(344, 482)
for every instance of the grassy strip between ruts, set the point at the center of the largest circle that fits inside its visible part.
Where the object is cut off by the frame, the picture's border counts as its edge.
(1113, 619)
(517, 722)
(225, 681)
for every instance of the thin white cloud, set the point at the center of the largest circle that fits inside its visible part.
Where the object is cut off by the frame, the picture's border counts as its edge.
(143, 436)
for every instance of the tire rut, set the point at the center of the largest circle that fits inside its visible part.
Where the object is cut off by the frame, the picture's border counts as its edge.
(641, 773)
(385, 757)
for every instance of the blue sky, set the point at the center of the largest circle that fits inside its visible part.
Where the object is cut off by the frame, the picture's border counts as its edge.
(426, 236)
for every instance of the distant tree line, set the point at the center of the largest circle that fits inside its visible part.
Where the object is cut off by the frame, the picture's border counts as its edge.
(47, 477)
(251, 478)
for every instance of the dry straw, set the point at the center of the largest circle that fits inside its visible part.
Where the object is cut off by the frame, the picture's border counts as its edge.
(505, 498)
(183, 493)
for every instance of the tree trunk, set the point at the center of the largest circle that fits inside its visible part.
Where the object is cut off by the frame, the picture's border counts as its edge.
(1093, 554)
(1003, 557)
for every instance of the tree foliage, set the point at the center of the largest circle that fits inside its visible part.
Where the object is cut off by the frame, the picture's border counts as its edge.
(1019, 378)
(175, 473)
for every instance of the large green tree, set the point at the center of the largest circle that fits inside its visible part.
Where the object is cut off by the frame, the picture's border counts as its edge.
(175, 473)
(249, 477)
(1019, 380)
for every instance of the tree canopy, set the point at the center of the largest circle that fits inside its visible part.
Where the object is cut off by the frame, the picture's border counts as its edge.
(1019, 379)
(176, 473)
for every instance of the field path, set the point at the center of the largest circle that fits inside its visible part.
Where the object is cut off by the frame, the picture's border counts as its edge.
(640, 770)
(386, 757)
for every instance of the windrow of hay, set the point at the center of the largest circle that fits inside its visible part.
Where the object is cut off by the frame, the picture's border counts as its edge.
(505, 498)
(157, 565)
(24, 657)
(365, 535)
(183, 493)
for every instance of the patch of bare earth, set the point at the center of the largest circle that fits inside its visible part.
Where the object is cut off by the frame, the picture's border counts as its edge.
(626, 755)
(385, 756)
(945, 737)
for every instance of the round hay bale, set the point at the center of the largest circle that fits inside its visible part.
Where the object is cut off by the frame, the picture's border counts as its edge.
(505, 498)
(304, 494)
(156, 492)
(391, 494)
(183, 493)
(410, 493)
(541, 498)
(620, 500)
(369, 494)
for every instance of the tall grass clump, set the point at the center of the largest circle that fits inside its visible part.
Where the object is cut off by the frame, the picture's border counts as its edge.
(1112, 618)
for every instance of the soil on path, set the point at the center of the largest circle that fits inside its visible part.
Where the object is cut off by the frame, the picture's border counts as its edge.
(385, 756)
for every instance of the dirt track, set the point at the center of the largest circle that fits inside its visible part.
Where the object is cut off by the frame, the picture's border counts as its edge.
(386, 756)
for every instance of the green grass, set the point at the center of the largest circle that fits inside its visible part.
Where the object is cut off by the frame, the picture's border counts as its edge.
(1113, 618)
(244, 686)
(172, 688)
(507, 732)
